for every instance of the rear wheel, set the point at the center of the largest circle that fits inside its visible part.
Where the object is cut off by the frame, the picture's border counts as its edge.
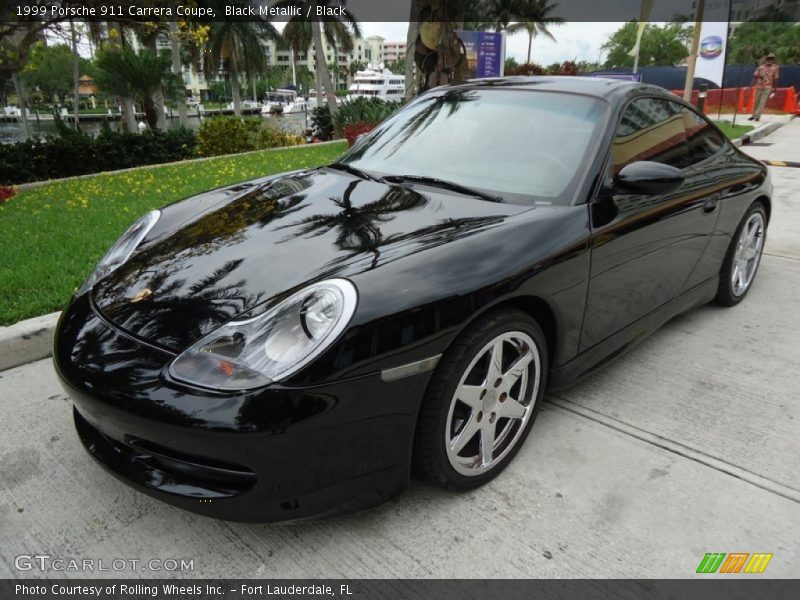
(482, 400)
(743, 257)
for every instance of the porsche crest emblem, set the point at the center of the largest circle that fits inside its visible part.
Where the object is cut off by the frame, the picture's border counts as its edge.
(142, 294)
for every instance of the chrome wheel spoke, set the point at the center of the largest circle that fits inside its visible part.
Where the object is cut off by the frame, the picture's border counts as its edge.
(495, 363)
(516, 370)
(487, 443)
(471, 395)
(512, 409)
(467, 432)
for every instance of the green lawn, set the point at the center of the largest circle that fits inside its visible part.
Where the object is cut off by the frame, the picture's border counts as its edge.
(733, 131)
(52, 236)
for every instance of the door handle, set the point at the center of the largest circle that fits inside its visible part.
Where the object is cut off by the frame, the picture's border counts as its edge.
(710, 205)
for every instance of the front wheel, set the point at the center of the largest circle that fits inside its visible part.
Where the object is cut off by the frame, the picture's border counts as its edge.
(482, 400)
(743, 257)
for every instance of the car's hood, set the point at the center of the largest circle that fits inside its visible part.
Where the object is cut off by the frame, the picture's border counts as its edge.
(255, 242)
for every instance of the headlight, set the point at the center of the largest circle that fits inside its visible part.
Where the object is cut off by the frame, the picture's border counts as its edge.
(121, 250)
(248, 354)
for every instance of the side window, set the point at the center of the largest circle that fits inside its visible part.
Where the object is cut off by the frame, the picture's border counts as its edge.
(702, 140)
(651, 129)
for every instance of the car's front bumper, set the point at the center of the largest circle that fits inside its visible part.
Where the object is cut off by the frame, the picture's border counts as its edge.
(276, 454)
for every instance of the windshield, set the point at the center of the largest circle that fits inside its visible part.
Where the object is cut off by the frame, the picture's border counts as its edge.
(524, 146)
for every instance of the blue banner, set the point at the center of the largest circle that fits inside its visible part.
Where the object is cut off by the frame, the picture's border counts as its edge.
(485, 52)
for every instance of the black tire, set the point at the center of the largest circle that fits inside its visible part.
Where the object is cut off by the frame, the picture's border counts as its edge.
(726, 295)
(430, 451)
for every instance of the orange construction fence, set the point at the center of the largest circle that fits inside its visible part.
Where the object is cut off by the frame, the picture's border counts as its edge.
(743, 100)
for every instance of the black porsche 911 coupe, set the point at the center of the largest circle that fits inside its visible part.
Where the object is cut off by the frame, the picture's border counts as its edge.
(288, 347)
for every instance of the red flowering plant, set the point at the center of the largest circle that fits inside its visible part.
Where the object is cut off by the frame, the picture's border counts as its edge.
(6, 193)
(353, 130)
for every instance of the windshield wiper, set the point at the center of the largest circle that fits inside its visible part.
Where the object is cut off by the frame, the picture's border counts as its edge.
(441, 183)
(353, 171)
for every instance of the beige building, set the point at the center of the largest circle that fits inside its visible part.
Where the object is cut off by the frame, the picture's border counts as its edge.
(373, 49)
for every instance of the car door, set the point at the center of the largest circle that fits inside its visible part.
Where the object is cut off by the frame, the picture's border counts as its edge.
(645, 247)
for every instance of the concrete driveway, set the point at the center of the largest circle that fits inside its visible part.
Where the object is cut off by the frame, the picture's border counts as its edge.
(689, 444)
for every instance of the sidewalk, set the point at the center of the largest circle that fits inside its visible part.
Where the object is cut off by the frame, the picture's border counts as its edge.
(783, 237)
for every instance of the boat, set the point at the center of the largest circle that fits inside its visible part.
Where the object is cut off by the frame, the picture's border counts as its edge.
(250, 105)
(284, 101)
(378, 83)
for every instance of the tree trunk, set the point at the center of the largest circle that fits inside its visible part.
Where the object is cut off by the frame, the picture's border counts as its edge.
(322, 66)
(125, 102)
(177, 70)
(446, 64)
(530, 43)
(411, 41)
(23, 105)
(236, 92)
(76, 65)
(151, 112)
(158, 94)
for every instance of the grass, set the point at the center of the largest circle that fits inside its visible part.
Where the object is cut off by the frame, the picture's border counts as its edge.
(52, 236)
(733, 131)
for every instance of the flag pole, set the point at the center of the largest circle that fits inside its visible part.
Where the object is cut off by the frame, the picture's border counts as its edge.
(692, 59)
(725, 64)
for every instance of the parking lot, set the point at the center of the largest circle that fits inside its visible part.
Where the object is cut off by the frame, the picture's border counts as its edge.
(686, 445)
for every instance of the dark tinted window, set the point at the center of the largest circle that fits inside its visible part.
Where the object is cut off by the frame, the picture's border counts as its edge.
(702, 139)
(526, 146)
(651, 129)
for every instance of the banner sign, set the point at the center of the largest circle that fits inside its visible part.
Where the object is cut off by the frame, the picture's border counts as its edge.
(486, 52)
(713, 41)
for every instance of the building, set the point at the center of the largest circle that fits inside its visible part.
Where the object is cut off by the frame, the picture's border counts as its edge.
(373, 49)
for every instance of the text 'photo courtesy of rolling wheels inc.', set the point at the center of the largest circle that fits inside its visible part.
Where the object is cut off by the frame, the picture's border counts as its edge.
(395, 299)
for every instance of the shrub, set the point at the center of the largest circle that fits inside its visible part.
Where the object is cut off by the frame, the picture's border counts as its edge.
(73, 152)
(526, 69)
(226, 135)
(353, 130)
(321, 123)
(230, 135)
(363, 110)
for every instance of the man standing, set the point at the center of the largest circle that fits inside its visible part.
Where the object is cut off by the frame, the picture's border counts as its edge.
(765, 80)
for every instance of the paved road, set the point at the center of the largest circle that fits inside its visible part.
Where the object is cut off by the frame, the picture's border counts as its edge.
(686, 445)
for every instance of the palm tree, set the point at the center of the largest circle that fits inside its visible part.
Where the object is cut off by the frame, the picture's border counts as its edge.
(127, 75)
(538, 19)
(236, 46)
(338, 31)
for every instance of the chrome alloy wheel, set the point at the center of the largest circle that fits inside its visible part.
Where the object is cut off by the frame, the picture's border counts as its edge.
(748, 254)
(492, 403)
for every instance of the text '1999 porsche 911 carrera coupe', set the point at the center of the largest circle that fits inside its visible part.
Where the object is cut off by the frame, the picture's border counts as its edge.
(289, 347)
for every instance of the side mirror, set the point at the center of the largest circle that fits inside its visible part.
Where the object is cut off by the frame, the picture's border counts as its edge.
(646, 177)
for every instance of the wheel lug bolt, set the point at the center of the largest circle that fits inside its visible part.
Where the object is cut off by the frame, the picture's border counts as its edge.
(483, 394)
(499, 382)
(492, 417)
(503, 397)
(480, 416)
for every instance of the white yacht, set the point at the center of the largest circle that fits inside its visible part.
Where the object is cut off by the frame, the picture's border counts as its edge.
(377, 83)
(284, 101)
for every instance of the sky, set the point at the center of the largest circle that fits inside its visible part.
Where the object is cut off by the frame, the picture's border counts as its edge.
(574, 41)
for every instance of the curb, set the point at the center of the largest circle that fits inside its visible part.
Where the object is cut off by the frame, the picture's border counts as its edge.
(27, 341)
(760, 132)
